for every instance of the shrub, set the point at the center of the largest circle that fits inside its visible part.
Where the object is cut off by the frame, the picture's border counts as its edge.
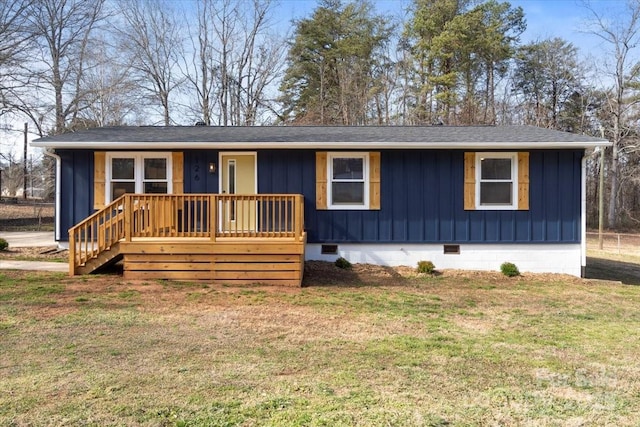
(426, 267)
(3, 244)
(343, 263)
(509, 269)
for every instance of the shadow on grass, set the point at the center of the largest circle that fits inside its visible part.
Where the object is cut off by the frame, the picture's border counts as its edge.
(337, 278)
(607, 269)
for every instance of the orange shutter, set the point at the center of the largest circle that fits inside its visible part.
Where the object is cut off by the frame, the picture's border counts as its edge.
(177, 172)
(523, 181)
(99, 184)
(469, 181)
(374, 180)
(321, 180)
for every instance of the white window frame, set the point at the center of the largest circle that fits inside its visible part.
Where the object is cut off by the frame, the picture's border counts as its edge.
(365, 172)
(514, 180)
(139, 158)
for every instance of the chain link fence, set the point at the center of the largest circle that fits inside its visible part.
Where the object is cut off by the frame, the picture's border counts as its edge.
(619, 243)
(26, 215)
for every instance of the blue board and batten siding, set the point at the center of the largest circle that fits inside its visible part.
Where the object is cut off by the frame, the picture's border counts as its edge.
(422, 200)
(422, 197)
(76, 181)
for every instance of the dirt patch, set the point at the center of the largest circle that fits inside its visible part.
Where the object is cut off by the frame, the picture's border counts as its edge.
(318, 273)
(38, 253)
(164, 296)
(26, 210)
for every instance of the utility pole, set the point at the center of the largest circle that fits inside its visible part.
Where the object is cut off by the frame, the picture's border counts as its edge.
(601, 195)
(24, 161)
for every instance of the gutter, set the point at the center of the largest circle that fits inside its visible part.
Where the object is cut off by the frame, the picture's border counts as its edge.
(583, 216)
(380, 145)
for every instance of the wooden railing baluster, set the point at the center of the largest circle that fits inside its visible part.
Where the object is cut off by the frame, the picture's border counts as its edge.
(210, 216)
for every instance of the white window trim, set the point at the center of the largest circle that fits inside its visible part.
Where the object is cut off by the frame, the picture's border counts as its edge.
(514, 179)
(138, 168)
(365, 166)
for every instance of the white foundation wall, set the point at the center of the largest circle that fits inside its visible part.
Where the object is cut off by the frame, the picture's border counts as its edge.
(534, 258)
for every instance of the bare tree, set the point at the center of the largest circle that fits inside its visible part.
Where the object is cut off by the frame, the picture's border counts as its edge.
(622, 37)
(234, 60)
(15, 36)
(115, 98)
(201, 71)
(63, 29)
(12, 173)
(224, 24)
(152, 41)
(258, 63)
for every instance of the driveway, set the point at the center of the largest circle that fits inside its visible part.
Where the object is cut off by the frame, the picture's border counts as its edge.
(25, 239)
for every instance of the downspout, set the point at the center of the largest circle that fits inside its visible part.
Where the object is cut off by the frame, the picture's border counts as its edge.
(57, 194)
(583, 215)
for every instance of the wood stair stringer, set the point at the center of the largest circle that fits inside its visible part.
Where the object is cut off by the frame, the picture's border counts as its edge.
(107, 257)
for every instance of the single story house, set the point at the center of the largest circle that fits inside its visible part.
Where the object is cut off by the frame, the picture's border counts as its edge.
(251, 204)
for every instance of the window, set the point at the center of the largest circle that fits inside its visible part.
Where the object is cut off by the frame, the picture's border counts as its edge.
(348, 180)
(137, 173)
(155, 176)
(496, 181)
(123, 178)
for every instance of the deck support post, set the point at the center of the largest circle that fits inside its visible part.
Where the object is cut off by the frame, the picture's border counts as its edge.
(299, 216)
(72, 252)
(127, 218)
(213, 222)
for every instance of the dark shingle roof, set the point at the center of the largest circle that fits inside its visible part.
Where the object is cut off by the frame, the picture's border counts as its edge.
(320, 136)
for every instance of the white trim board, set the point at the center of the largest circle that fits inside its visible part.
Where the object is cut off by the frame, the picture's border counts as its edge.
(564, 258)
(324, 146)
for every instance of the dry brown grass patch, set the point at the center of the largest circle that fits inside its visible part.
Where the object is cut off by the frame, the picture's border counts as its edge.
(387, 347)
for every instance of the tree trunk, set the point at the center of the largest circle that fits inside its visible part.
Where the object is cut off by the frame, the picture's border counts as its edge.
(57, 87)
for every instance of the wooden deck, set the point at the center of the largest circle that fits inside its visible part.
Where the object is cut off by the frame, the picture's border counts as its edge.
(219, 238)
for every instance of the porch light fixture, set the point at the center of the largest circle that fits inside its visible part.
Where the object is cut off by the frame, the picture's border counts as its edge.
(212, 167)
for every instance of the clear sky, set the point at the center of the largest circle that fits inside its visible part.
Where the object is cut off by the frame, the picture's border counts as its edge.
(567, 19)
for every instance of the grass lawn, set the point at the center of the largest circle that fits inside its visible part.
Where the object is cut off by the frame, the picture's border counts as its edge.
(468, 349)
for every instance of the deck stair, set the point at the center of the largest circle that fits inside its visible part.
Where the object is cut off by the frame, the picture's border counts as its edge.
(219, 238)
(100, 260)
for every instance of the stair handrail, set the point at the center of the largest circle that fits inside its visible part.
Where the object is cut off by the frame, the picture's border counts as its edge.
(94, 240)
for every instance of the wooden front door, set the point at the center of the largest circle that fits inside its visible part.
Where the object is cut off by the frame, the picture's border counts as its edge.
(238, 176)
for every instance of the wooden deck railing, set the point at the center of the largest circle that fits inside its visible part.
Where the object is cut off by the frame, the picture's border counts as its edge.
(96, 233)
(211, 216)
